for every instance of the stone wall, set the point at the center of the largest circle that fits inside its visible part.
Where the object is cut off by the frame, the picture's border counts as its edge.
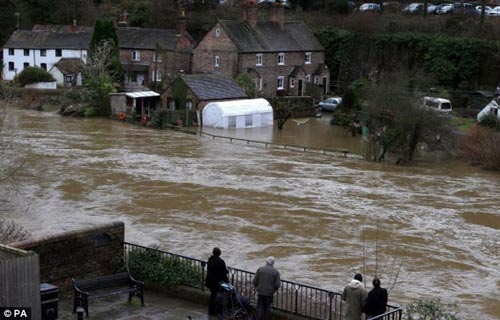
(81, 253)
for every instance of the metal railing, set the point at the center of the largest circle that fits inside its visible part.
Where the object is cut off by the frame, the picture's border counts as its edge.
(292, 297)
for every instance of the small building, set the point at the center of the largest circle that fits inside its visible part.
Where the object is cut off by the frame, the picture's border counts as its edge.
(137, 106)
(490, 108)
(248, 113)
(67, 72)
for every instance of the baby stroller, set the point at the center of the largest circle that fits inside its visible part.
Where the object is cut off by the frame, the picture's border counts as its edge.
(230, 305)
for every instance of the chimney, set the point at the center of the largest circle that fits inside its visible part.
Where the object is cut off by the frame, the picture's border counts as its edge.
(248, 12)
(181, 23)
(122, 22)
(278, 14)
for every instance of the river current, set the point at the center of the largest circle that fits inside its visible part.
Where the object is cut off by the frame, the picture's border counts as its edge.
(320, 215)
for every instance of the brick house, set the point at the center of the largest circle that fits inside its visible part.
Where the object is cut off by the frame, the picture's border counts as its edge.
(283, 57)
(152, 55)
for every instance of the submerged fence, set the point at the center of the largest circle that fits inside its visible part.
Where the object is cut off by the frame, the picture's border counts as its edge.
(292, 297)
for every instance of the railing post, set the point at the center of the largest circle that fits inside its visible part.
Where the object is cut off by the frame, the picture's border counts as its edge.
(296, 309)
(203, 264)
(330, 295)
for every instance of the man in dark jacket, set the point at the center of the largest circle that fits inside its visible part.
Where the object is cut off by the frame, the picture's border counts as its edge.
(376, 301)
(216, 272)
(267, 282)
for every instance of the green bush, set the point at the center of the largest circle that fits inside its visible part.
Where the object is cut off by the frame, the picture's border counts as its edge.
(430, 309)
(166, 270)
(33, 75)
(490, 121)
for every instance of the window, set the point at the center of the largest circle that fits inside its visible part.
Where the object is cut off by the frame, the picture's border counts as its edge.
(248, 120)
(292, 83)
(281, 82)
(308, 58)
(217, 60)
(316, 80)
(217, 32)
(43, 66)
(136, 56)
(11, 66)
(26, 64)
(43, 52)
(157, 57)
(26, 52)
(308, 78)
(11, 52)
(231, 122)
(58, 52)
(189, 105)
(281, 59)
(69, 78)
(158, 75)
(258, 59)
(261, 84)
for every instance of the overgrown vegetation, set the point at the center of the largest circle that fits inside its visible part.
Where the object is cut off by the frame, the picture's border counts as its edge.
(430, 309)
(244, 80)
(33, 75)
(481, 146)
(167, 270)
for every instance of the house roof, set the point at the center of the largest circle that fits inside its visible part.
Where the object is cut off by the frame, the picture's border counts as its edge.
(267, 36)
(213, 87)
(141, 38)
(69, 65)
(51, 36)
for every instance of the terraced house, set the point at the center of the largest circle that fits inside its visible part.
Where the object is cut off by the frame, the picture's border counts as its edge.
(283, 57)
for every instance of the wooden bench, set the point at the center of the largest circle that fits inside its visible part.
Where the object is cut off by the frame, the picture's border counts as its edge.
(105, 286)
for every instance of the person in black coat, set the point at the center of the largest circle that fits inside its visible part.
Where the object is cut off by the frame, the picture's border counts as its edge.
(216, 272)
(376, 300)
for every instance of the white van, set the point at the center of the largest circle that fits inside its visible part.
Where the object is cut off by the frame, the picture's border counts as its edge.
(438, 104)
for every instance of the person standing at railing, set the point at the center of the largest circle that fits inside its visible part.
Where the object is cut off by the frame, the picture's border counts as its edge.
(216, 273)
(353, 296)
(376, 300)
(267, 281)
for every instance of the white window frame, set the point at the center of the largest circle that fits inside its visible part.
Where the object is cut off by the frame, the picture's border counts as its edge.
(11, 51)
(231, 122)
(308, 58)
(281, 59)
(308, 78)
(136, 55)
(281, 83)
(292, 83)
(261, 84)
(249, 120)
(217, 32)
(316, 79)
(217, 61)
(258, 59)
(43, 52)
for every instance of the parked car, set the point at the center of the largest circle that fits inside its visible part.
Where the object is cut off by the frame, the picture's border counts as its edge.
(486, 9)
(431, 8)
(495, 12)
(369, 7)
(329, 104)
(414, 8)
(446, 9)
(438, 104)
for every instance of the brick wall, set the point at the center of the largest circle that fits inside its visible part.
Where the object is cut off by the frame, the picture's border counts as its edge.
(82, 253)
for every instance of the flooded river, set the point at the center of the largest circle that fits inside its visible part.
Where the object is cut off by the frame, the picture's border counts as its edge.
(315, 213)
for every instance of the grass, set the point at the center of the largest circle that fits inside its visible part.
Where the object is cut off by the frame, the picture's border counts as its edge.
(463, 124)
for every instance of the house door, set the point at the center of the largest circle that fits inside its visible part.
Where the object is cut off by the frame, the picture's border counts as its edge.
(301, 88)
(325, 88)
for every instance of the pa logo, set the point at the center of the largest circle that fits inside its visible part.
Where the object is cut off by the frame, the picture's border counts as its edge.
(7, 313)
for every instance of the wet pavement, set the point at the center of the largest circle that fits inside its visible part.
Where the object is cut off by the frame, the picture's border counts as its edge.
(157, 306)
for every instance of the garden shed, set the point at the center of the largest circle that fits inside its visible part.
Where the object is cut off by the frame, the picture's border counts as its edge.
(491, 108)
(248, 113)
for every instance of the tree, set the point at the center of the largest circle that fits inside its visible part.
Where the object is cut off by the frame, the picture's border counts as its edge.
(244, 80)
(397, 121)
(140, 14)
(105, 32)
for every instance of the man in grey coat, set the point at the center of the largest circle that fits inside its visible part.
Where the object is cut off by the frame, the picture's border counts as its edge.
(353, 296)
(267, 282)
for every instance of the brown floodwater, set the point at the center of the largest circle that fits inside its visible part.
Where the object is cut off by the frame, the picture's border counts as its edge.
(320, 215)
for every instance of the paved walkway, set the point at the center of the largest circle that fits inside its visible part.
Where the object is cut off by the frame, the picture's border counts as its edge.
(157, 306)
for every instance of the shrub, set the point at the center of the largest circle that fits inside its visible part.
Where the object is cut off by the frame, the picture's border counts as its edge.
(33, 75)
(10, 232)
(481, 147)
(490, 121)
(166, 270)
(435, 309)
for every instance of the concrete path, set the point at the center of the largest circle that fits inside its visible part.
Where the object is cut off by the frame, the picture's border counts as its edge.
(157, 307)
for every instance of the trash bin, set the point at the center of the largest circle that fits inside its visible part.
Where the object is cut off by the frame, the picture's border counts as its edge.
(49, 297)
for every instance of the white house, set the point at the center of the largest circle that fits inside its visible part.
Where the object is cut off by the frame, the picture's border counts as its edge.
(43, 47)
(491, 108)
(67, 72)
